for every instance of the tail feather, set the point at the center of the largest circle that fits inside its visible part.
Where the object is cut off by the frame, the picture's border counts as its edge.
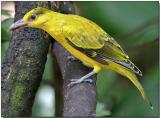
(132, 77)
(128, 64)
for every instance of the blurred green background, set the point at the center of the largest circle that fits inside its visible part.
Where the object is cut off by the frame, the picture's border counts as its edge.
(135, 26)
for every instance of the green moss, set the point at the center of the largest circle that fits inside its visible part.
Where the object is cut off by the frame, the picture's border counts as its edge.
(17, 100)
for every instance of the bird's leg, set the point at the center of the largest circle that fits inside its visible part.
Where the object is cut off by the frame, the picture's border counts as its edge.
(86, 80)
(82, 79)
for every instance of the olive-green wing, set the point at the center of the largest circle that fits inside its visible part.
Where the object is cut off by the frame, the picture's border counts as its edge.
(89, 38)
(110, 52)
(82, 32)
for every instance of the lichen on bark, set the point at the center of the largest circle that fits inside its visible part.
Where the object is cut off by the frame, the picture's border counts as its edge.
(23, 66)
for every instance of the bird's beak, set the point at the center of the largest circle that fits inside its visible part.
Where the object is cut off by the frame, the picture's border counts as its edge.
(18, 24)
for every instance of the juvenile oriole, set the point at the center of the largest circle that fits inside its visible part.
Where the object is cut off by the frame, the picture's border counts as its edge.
(86, 41)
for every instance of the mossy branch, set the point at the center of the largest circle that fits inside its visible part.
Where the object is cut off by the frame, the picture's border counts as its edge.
(23, 66)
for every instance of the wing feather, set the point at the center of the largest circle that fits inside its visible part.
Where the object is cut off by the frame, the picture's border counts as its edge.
(96, 43)
(83, 33)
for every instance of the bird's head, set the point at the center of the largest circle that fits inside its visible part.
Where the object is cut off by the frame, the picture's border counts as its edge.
(35, 18)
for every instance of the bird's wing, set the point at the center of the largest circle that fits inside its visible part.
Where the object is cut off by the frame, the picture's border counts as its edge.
(90, 39)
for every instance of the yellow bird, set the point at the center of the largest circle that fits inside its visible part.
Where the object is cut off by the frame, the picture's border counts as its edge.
(86, 41)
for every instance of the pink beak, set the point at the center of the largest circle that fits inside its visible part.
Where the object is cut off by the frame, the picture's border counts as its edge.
(18, 24)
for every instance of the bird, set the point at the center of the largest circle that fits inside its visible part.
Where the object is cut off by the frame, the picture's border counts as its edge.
(86, 41)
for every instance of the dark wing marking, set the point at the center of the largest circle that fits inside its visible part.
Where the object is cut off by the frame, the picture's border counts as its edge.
(109, 52)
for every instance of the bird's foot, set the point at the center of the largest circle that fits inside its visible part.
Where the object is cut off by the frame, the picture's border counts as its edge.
(78, 81)
(82, 79)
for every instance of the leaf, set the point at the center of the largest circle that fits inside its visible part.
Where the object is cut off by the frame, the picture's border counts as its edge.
(48, 72)
(4, 48)
(119, 18)
(44, 102)
(131, 99)
(101, 111)
(144, 34)
(5, 29)
(104, 82)
(5, 12)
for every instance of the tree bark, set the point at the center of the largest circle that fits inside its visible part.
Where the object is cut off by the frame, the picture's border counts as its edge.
(79, 100)
(23, 65)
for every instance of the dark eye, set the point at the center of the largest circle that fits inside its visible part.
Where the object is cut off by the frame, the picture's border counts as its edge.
(33, 17)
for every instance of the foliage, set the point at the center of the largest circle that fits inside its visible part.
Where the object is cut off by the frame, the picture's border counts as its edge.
(135, 26)
(5, 33)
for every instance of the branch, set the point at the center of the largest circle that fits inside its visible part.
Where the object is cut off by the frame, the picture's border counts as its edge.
(23, 66)
(79, 100)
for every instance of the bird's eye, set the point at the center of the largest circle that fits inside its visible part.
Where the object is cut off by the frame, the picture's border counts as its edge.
(33, 17)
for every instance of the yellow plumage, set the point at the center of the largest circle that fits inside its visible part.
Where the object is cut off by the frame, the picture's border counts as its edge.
(85, 40)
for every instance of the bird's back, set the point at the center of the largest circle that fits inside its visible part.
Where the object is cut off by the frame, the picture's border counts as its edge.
(87, 37)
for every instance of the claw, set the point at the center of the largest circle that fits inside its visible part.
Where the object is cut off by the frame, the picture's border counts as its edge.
(82, 79)
(76, 81)
(87, 80)
(72, 84)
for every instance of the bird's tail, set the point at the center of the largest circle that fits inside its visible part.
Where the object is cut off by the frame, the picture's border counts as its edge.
(132, 77)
